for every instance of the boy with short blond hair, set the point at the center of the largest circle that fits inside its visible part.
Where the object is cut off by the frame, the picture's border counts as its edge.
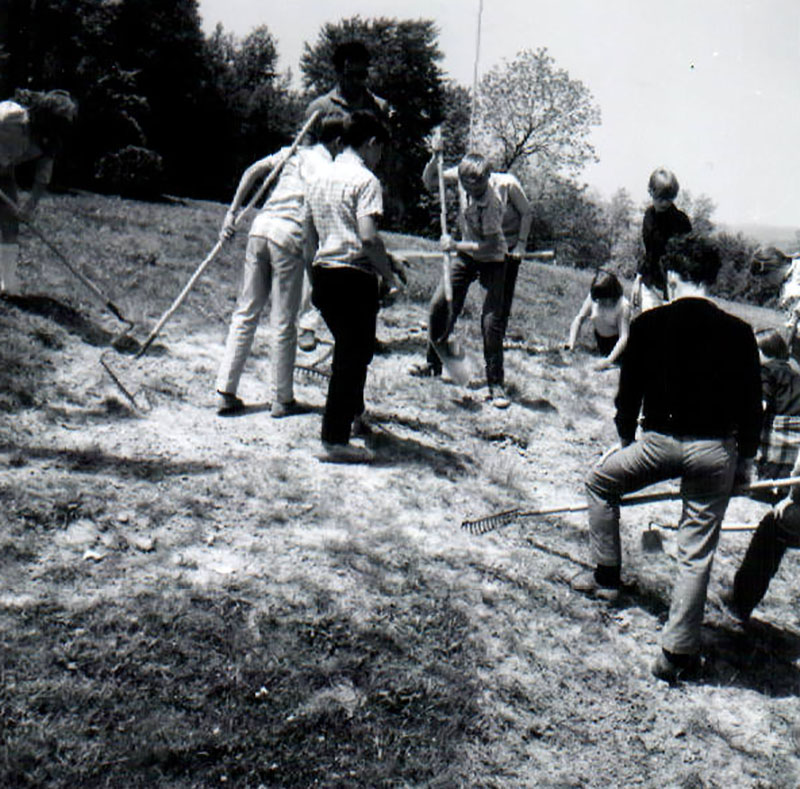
(481, 254)
(662, 221)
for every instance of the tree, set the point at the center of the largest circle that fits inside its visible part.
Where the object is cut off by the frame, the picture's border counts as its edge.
(404, 70)
(529, 112)
(699, 210)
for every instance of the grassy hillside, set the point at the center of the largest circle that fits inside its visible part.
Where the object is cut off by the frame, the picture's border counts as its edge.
(189, 601)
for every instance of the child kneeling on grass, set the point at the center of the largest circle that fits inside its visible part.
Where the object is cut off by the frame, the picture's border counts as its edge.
(345, 203)
(610, 313)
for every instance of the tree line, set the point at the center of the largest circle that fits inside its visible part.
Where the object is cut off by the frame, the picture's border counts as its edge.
(166, 109)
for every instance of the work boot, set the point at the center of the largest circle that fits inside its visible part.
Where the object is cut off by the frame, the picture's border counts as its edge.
(673, 667)
(9, 258)
(586, 582)
(229, 404)
(292, 408)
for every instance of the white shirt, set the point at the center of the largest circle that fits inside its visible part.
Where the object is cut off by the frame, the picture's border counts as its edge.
(344, 192)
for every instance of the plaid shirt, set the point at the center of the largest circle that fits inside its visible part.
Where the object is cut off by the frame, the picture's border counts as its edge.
(344, 192)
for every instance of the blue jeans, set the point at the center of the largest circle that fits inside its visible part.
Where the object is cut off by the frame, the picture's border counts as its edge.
(491, 276)
(706, 468)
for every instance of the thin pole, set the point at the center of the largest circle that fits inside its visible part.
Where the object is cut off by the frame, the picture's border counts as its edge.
(475, 78)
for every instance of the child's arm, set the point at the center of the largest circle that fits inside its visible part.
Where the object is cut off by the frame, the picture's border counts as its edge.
(624, 326)
(430, 175)
(521, 203)
(374, 248)
(575, 328)
(254, 173)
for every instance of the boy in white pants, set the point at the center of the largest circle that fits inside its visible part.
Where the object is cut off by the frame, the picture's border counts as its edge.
(274, 263)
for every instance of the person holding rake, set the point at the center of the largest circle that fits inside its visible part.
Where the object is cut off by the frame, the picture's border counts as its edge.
(275, 261)
(31, 130)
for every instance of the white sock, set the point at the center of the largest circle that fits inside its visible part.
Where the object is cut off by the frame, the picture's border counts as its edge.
(9, 256)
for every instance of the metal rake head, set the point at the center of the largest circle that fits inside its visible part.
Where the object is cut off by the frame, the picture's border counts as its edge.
(490, 522)
(312, 372)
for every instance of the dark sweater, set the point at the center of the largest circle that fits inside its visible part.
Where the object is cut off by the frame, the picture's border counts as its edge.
(692, 370)
(658, 227)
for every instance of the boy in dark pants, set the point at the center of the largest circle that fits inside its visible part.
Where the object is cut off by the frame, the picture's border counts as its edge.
(345, 203)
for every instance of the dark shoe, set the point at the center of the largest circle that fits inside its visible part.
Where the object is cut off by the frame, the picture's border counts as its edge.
(345, 453)
(307, 340)
(292, 408)
(734, 609)
(426, 370)
(361, 428)
(673, 668)
(586, 583)
(498, 397)
(229, 404)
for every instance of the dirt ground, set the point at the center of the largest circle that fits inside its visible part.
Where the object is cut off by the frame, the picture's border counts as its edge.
(112, 517)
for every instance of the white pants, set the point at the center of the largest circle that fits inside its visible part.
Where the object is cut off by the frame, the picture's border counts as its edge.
(267, 268)
(309, 318)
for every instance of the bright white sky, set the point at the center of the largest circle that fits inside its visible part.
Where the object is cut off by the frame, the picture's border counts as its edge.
(708, 88)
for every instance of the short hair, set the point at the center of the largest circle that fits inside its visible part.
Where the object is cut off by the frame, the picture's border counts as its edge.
(771, 343)
(474, 165)
(362, 126)
(663, 184)
(349, 51)
(766, 259)
(693, 258)
(331, 127)
(605, 285)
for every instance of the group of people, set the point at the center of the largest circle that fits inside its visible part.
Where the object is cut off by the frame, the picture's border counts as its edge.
(695, 383)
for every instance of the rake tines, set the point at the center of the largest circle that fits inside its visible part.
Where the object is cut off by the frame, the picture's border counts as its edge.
(129, 396)
(312, 372)
(490, 522)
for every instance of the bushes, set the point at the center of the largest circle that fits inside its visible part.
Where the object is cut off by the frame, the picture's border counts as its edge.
(132, 171)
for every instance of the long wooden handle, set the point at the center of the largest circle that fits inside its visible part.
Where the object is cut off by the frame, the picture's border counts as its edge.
(268, 181)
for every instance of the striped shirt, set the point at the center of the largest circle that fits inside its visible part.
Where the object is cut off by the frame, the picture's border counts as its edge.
(283, 216)
(345, 192)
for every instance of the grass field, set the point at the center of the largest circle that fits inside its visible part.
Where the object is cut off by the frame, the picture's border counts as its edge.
(187, 601)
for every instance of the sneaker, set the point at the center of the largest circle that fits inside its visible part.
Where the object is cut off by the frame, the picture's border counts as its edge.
(345, 453)
(585, 583)
(426, 370)
(673, 668)
(307, 340)
(361, 427)
(229, 404)
(498, 396)
(292, 408)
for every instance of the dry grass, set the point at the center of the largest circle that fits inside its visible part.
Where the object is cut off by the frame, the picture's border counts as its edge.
(187, 601)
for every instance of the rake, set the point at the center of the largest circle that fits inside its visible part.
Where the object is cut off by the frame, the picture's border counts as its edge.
(498, 520)
(268, 181)
(124, 339)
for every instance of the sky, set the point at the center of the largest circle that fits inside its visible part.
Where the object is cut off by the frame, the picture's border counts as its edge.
(709, 89)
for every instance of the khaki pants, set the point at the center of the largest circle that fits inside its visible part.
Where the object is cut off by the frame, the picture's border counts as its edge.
(268, 268)
(706, 468)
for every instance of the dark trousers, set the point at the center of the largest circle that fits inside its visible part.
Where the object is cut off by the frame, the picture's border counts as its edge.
(512, 270)
(773, 536)
(491, 276)
(348, 301)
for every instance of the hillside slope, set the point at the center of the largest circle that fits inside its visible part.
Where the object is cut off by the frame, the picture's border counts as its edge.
(190, 601)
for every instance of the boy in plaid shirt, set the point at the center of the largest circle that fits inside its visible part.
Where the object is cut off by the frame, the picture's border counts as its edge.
(345, 203)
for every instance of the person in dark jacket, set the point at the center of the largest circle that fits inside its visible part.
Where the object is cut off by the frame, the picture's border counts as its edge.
(692, 372)
(662, 221)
